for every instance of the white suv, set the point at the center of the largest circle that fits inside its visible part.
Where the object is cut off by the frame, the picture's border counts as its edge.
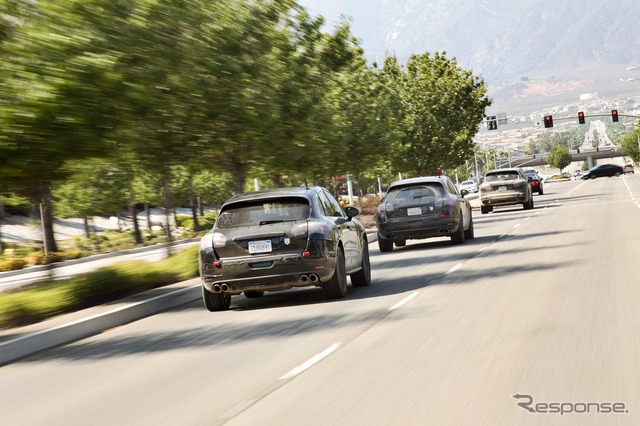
(469, 185)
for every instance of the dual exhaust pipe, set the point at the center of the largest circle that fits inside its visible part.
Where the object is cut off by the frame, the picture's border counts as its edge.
(303, 279)
(220, 288)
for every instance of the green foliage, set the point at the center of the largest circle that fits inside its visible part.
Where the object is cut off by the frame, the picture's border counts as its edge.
(440, 108)
(630, 144)
(16, 205)
(559, 157)
(47, 299)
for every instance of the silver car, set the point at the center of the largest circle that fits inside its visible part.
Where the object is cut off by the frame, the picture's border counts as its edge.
(504, 187)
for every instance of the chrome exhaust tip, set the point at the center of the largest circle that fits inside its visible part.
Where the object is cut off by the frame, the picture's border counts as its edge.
(217, 288)
(314, 278)
(303, 279)
(224, 287)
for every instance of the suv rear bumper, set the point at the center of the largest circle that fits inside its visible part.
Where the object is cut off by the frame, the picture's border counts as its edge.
(504, 199)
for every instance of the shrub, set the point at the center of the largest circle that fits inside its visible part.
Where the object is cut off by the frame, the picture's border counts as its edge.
(16, 205)
(12, 264)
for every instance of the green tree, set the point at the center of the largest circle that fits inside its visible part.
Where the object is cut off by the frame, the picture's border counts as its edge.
(559, 157)
(630, 144)
(442, 106)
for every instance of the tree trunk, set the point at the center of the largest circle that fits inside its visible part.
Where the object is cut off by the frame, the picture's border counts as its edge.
(87, 231)
(167, 212)
(147, 211)
(137, 236)
(194, 214)
(200, 208)
(46, 213)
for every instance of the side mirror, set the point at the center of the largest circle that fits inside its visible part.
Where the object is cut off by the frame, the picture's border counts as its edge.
(352, 212)
(464, 192)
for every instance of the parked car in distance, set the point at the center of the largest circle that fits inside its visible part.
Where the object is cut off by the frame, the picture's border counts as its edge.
(628, 168)
(469, 185)
(282, 238)
(504, 187)
(602, 170)
(423, 207)
(535, 181)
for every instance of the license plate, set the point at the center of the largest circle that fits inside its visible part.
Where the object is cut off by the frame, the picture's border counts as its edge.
(502, 188)
(414, 211)
(260, 246)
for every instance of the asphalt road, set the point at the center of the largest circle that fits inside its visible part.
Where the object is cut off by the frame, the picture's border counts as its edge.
(541, 309)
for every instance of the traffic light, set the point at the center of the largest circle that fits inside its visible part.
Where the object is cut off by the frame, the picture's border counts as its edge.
(580, 117)
(492, 123)
(548, 121)
(614, 115)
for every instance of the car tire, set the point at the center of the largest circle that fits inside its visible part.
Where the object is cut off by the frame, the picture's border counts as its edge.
(541, 192)
(458, 236)
(617, 174)
(336, 287)
(215, 301)
(385, 245)
(469, 234)
(484, 209)
(252, 294)
(362, 277)
(400, 243)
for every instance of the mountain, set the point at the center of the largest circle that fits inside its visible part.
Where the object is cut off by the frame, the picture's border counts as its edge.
(588, 43)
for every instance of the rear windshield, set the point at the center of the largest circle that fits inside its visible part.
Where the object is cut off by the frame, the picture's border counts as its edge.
(263, 212)
(415, 193)
(496, 177)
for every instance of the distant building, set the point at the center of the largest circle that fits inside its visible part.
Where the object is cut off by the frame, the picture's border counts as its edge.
(587, 96)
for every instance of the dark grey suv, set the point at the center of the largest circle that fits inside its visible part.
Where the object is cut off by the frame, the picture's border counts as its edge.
(423, 207)
(282, 238)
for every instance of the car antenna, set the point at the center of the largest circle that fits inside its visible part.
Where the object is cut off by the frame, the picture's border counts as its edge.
(306, 185)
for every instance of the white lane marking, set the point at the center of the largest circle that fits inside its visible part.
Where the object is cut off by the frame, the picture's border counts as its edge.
(237, 409)
(403, 301)
(516, 225)
(311, 362)
(455, 268)
(502, 236)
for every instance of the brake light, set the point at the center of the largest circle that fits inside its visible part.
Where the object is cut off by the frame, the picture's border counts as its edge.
(320, 228)
(219, 240)
(447, 208)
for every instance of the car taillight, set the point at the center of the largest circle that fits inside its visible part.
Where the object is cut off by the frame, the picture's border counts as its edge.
(320, 228)
(447, 208)
(486, 187)
(299, 230)
(206, 242)
(219, 240)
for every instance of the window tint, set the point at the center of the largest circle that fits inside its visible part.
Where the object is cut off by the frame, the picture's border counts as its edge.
(330, 205)
(496, 177)
(263, 212)
(415, 194)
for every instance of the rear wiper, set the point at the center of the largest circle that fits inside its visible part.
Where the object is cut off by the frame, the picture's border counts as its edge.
(268, 222)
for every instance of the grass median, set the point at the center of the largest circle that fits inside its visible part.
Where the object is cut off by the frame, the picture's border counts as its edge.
(50, 298)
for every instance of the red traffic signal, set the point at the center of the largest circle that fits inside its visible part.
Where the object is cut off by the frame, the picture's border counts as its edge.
(614, 115)
(548, 121)
(581, 117)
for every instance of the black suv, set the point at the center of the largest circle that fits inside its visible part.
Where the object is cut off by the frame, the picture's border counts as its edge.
(423, 207)
(282, 238)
